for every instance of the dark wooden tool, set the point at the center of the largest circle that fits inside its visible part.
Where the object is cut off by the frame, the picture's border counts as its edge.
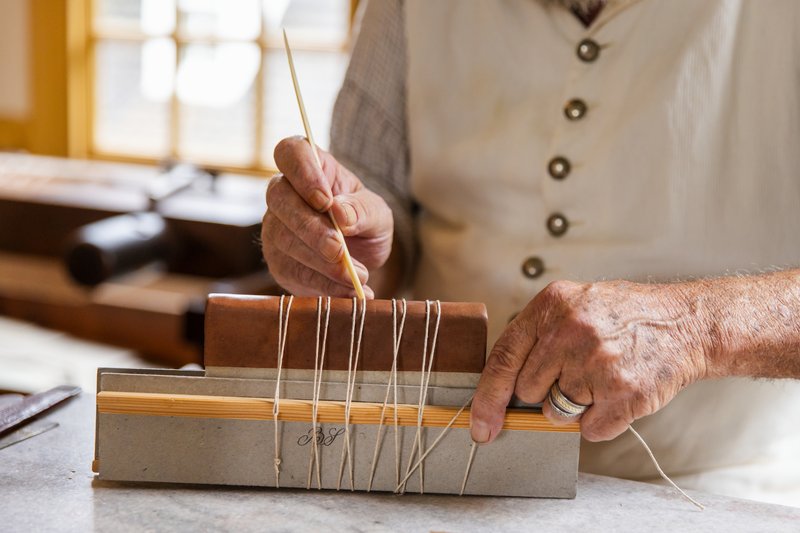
(111, 219)
(20, 412)
(153, 224)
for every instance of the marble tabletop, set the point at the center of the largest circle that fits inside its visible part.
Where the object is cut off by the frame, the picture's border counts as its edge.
(46, 484)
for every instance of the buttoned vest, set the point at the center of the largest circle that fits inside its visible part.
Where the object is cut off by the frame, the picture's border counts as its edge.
(661, 143)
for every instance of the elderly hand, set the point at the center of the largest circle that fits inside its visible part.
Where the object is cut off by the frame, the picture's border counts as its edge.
(298, 240)
(624, 349)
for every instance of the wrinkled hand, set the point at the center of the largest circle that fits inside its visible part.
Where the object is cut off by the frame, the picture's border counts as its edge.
(622, 348)
(299, 242)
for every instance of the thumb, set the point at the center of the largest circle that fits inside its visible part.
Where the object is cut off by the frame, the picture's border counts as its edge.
(498, 381)
(362, 213)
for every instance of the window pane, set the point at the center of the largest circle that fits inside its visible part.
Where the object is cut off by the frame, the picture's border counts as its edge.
(151, 17)
(133, 84)
(320, 75)
(214, 85)
(317, 23)
(234, 19)
(216, 91)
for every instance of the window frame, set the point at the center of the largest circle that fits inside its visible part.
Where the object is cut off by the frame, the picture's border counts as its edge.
(43, 128)
(82, 39)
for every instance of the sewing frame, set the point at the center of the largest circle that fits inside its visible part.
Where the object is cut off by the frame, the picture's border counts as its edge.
(223, 426)
(211, 446)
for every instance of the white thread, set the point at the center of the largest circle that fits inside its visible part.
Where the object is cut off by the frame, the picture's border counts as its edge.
(472, 451)
(351, 381)
(661, 472)
(319, 365)
(425, 378)
(421, 384)
(283, 329)
(425, 390)
(321, 369)
(353, 387)
(313, 452)
(347, 389)
(396, 338)
(435, 443)
(396, 430)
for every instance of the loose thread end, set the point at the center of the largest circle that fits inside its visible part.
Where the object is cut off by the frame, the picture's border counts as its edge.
(470, 460)
(661, 472)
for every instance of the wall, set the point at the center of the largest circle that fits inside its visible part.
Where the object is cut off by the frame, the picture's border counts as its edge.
(33, 75)
(14, 60)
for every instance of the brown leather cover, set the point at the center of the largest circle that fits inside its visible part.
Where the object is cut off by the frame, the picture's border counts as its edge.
(242, 331)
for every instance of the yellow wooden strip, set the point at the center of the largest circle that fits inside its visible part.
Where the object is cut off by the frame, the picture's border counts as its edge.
(291, 410)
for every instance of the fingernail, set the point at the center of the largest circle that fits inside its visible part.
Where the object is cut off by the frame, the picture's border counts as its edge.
(480, 431)
(350, 217)
(319, 200)
(331, 247)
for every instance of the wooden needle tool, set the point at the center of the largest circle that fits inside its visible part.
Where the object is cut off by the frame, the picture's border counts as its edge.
(348, 262)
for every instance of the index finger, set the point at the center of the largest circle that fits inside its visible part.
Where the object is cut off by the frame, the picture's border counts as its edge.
(295, 159)
(499, 379)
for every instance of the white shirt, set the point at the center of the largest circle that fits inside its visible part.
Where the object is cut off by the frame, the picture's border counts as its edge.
(685, 163)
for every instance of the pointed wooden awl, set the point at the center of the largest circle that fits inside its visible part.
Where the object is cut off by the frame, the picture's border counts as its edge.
(348, 262)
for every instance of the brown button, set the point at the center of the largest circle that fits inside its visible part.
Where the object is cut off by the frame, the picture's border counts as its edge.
(575, 109)
(533, 267)
(557, 225)
(559, 168)
(588, 50)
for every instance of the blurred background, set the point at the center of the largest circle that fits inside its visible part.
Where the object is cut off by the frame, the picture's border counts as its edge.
(136, 137)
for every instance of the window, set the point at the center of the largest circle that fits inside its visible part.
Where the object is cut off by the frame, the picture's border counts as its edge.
(207, 80)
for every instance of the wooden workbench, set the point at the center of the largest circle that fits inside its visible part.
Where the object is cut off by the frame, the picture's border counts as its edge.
(46, 484)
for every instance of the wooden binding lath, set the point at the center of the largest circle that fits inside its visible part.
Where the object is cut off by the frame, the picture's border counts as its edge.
(293, 410)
